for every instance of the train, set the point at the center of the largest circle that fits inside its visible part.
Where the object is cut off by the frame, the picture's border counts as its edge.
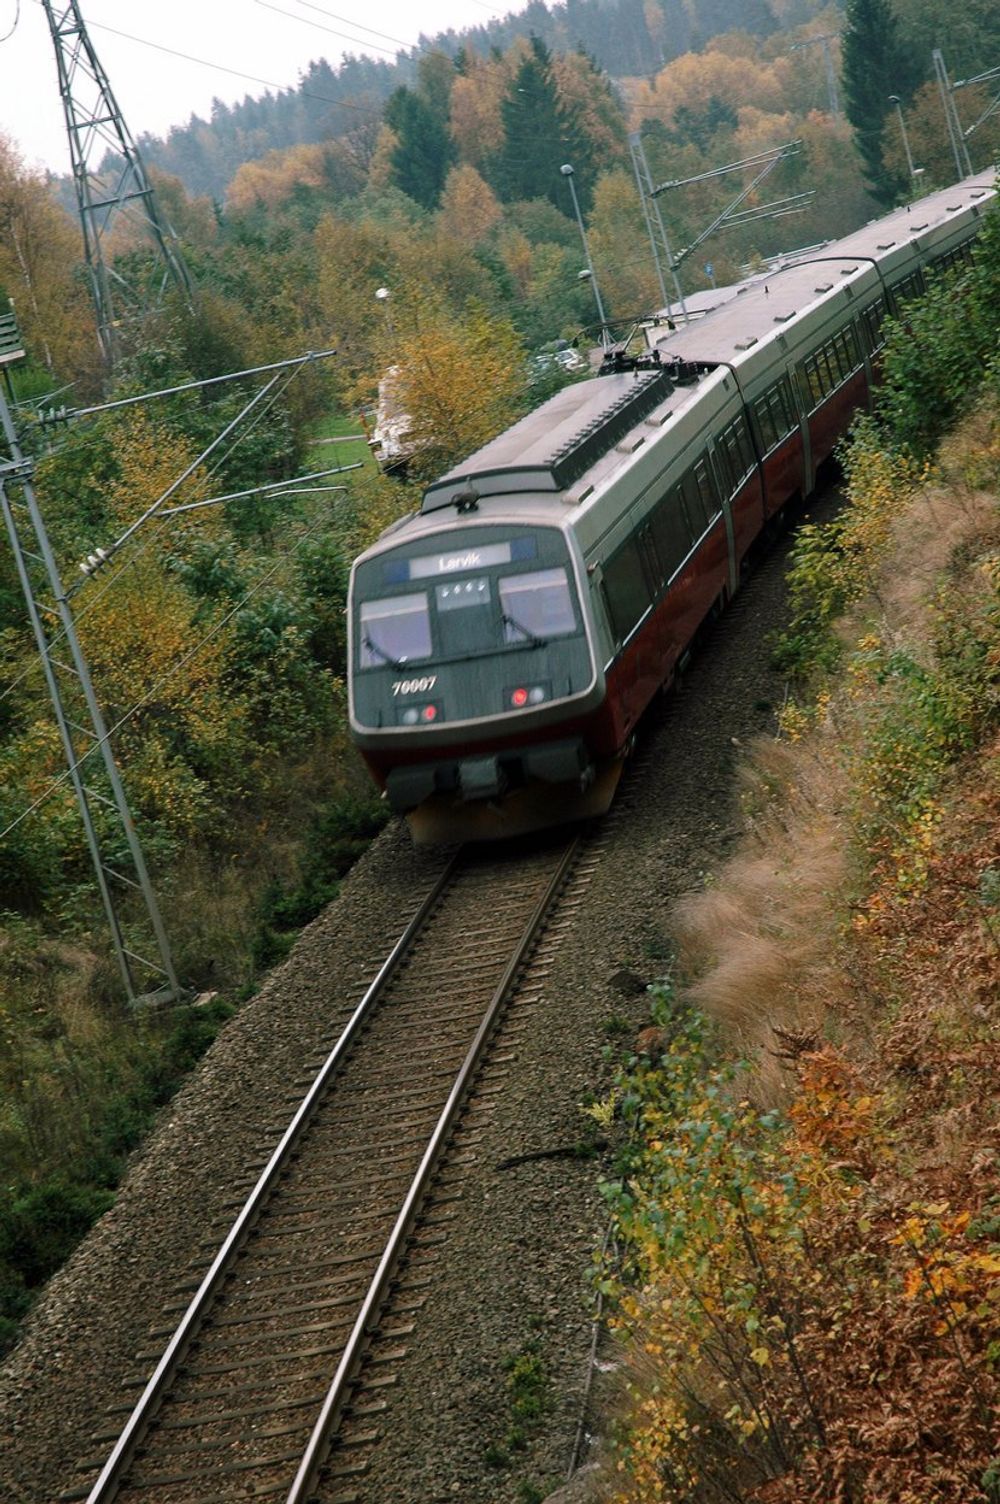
(505, 639)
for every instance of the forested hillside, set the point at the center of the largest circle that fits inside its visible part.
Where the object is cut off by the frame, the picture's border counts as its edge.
(624, 37)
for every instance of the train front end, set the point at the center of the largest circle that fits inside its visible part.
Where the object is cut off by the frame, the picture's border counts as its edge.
(473, 685)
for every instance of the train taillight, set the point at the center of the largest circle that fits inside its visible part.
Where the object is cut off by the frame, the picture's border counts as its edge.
(526, 694)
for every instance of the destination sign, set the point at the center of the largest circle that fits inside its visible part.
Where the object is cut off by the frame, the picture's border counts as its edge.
(459, 560)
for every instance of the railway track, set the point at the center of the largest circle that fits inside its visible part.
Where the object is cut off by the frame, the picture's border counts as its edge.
(262, 1366)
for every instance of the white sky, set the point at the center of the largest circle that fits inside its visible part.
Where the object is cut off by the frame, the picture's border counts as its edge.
(273, 42)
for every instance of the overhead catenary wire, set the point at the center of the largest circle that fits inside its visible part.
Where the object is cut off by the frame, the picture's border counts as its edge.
(154, 689)
(270, 83)
(253, 78)
(159, 526)
(318, 26)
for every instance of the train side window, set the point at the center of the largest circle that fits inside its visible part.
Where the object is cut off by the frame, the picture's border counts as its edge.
(625, 589)
(725, 465)
(656, 574)
(767, 428)
(835, 361)
(672, 531)
(748, 459)
(775, 414)
(907, 289)
(958, 257)
(814, 382)
(394, 630)
(847, 346)
(735, 455)
(783, 407)
(826, 363)
(871, 319)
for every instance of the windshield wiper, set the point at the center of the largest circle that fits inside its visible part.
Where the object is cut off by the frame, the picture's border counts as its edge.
(373, 647)
(512, 621)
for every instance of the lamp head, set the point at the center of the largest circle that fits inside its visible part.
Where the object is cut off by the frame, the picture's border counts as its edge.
(381, 293)
(566, 170)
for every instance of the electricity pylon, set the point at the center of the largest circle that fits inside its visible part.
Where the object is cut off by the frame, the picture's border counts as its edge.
(92, 771)
(112, 186)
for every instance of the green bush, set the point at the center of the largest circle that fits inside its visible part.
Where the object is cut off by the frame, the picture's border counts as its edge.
(43, 1224)
(337, 839)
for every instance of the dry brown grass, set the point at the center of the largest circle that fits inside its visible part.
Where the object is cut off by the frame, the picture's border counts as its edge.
(760, 947)
(759, 941)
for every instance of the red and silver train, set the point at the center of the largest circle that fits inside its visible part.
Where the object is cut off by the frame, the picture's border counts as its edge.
(505, 639)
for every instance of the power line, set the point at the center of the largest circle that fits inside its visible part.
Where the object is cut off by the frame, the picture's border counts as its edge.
(318, 26)
(268, 83)
(17, 16)
(332, 16)
(133, 710)
(153, 536)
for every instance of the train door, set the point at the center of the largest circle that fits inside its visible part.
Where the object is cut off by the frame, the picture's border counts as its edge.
(722, 483)
(628, 599)
(775, 418)
(739, 476)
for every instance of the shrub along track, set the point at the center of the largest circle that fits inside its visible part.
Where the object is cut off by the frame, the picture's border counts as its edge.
(505, 1291)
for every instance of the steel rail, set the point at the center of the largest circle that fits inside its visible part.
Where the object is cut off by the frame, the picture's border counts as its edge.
(113, 1473)
(317, 1451)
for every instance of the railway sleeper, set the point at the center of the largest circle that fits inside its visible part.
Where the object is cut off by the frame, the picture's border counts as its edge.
(149, 1481)
(164, 1421)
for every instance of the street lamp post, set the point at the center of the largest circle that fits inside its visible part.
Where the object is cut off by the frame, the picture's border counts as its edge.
(567, 173)
(914, 171)
(383, 295)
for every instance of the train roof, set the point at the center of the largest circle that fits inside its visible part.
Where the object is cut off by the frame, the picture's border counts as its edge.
(553, 446)
(765, 306)
(536, 462)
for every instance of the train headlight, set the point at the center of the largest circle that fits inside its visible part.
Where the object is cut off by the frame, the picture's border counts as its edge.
(418, 715)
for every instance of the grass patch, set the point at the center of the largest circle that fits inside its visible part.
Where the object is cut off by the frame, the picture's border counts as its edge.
(46, 1211)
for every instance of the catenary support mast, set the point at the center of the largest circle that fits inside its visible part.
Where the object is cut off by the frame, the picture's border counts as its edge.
(92, 770)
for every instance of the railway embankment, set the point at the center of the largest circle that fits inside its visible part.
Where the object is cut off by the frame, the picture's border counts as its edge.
(806, 1279)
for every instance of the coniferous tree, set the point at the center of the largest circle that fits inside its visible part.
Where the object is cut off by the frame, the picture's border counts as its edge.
(423, 152)
(539, 135)
(634, 40)
(877, 63)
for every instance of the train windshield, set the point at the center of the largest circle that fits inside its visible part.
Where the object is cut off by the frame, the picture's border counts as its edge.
(537, 605)
(395, 630)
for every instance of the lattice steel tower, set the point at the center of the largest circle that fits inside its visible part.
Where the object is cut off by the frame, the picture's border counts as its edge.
(138, 934)
(109, 196)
